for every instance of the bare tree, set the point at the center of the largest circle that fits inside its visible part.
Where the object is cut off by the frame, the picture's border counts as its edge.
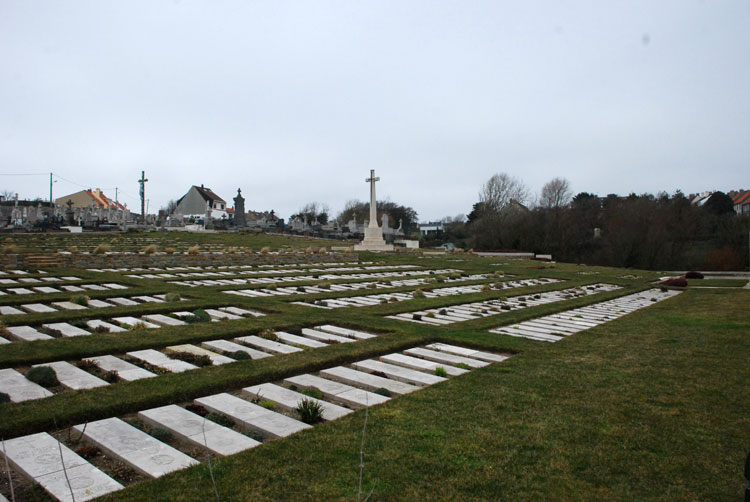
(498, 192)
(555, 194)
(8, 194)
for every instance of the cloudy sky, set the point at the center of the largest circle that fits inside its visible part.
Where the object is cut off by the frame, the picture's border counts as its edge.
(296, 101)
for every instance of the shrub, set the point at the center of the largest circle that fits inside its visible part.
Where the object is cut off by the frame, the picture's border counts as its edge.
(418, 294)
(193, 250)
(170, 250)
(199, 360)
(220, 419)
(324, 285)
(310, 412)
(80, 300)
(139, 326)
(88, 365)
(443, 312)
(676, 282)
(199, 315)
(43, 375)
(440, 371)
(150, 249)
(101, 329)
(240, 355)
(416, 317)
(172, 297)
(312, 392)
(265, 250)
(693, 275)
(87, 451)
(102, 248)
(486, 288)
(111, 376)
(383, 392)
(268, 334)
(10, 249)
(4, 398)
(309, 250)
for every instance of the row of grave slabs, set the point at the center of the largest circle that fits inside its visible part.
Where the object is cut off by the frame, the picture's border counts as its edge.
(119, 451)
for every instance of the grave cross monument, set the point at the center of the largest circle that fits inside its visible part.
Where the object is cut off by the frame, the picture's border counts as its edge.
(373, 233)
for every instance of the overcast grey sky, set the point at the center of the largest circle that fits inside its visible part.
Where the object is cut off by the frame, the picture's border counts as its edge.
(296, 101)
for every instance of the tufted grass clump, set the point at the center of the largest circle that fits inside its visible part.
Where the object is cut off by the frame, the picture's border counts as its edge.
(440, 371)
(200, 360)
(44, 376)
(102, 248)
(150, 249)
(310, 411)
(240, 355)
(193, 250)
(80, 300)
(199, 315)
(172, 297)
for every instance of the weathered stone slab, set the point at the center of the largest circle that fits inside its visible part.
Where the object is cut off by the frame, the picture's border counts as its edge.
(289, 400)
(163, 320)
(6, 310)
(99, 304)
(337, 391)
(112, 285)
(351, 333)
(37, 308)
(96, 323)
(125, 370)
(229, 347)
(21, 291)
(325, 337)
(252, 416)
(134, 447)
(72, 377)
(444, 357)
(72, 289)
(133, 321)
(221, 315)
(46, 289)
(69, 306)
(421, 364)
(66, 330)
(19, 388)
(239, 311)
(267, 345)
(162, 361)
(299, 340)
(125, 302)
(39, 458)
(147, 299)
(366, 380)
(197, 430)
(26, 334)
(399, 373)
(472, 353)
(216, 359)
(3, 341)
(94, 287)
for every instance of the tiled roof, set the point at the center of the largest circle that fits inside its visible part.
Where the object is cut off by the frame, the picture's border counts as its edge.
(741, 198)
(207, 194)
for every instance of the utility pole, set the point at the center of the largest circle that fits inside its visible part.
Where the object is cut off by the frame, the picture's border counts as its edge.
(116, 196)
(142, 182)
(51, 203)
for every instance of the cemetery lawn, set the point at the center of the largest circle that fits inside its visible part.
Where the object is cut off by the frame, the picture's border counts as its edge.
(651, 406)
(714, 283)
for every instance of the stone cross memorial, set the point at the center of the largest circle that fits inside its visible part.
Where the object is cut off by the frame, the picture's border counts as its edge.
(373, 240)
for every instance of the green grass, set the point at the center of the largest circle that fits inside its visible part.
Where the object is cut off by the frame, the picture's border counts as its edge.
(721, 283)
(647, 407)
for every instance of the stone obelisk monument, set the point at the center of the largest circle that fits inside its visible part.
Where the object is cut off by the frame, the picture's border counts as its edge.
(373, 233)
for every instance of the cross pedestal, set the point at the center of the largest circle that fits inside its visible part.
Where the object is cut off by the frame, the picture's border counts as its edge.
(373, 233)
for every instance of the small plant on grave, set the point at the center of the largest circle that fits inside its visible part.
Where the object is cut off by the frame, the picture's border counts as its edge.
(383, 300)
(310, 412)
(101, 329)
(322, 251)
(198, 315)
(379, 374)
(172, 297)
(220, 419)
(309, 250)
(150, 249)
(10, 249)
(200, 360)
(312, 392)
(663, 289)
(87, 451)
(430, 314)
(80, 300)
(272, 286)
(440, 371)
(486, 288)
(197, 409)
(324, 285)
(416, 317)
(393, 299)
(372, 285)
(382, 391)
(322, 303)
(44, 376)
(265, 250)
(111, 376)
(87, 365)
(193, 250)
(418, 293)
(102, 248)
(693, 275)
(505, 307)
(240, 355)
(170, 250)
(3, 329)
(4, 398)
(676, 282)
(265, 403)
(139, 326)
(463, 366)
(162, 435)
(269, 334)
(443, 312)
(301, 289)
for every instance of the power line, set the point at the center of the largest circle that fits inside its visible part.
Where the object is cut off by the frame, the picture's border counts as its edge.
(24, 174)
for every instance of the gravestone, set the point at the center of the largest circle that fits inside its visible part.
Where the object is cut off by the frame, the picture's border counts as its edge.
(373, 240)
(239, 210)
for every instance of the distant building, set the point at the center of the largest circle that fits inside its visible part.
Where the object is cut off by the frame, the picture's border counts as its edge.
(741, 202)
(431, 227)
(199, 201)
(87, 199)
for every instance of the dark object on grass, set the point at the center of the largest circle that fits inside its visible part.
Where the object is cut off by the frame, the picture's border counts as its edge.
(43, 375)
(4, 398)
(87, 451)
(240, 355)
(693, 275)
(198, 316)
(197, 409)
(383, 392)
(199, 360)
(676, 282)
(747, 478)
